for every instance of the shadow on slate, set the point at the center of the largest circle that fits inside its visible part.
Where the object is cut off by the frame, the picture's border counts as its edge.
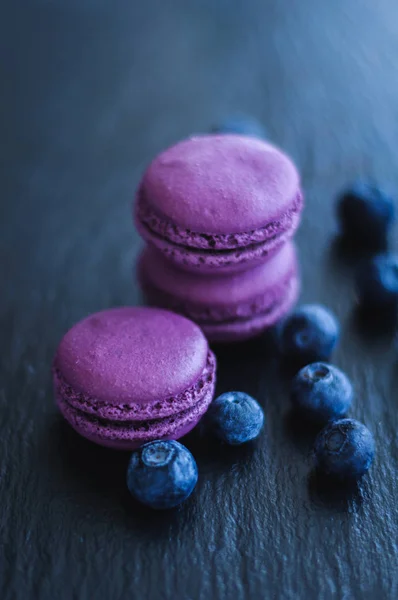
(89, 466)
(336, 495)
(99, 476)
(373, 326)
(301, 431)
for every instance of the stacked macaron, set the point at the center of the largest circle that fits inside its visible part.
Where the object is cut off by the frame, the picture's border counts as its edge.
(218, 213)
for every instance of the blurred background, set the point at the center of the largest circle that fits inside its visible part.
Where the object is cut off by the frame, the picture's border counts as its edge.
(92, 90)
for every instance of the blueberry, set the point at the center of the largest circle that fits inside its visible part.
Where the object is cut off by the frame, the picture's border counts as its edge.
(240, 125)
(344, 448)
(322, 392)
(365, 213)
(162, 474)
(377, 282)
(309, 334)
(235, 418)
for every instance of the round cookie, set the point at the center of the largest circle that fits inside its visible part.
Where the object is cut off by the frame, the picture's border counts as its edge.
(230, 307)
(127, 376)
(219, 202)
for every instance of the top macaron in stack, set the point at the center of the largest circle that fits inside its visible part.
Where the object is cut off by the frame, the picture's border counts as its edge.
(218, 211)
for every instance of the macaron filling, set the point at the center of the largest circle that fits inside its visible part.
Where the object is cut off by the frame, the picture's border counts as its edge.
(157, 225)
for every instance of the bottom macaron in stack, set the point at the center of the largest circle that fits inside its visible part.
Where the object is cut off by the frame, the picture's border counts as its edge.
(127, 376)
(228, 307)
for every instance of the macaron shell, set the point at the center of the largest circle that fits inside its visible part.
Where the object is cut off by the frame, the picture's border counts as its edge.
(132, 356)
(219, 184)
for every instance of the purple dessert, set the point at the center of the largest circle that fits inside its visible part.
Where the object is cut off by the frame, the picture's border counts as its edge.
(219, 202)
(127, 376)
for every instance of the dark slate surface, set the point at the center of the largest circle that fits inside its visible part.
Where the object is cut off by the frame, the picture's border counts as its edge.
(91, 90)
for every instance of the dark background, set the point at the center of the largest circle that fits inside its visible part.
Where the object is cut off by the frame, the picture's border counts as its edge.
(90, 92)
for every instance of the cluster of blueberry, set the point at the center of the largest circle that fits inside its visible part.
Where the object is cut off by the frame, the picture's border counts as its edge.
(323, 393)
(344, 447)
(366, 214)
(162, 474)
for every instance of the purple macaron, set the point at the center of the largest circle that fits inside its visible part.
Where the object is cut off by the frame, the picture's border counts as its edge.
(219, 202)
(127, 376)
(228, 307)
